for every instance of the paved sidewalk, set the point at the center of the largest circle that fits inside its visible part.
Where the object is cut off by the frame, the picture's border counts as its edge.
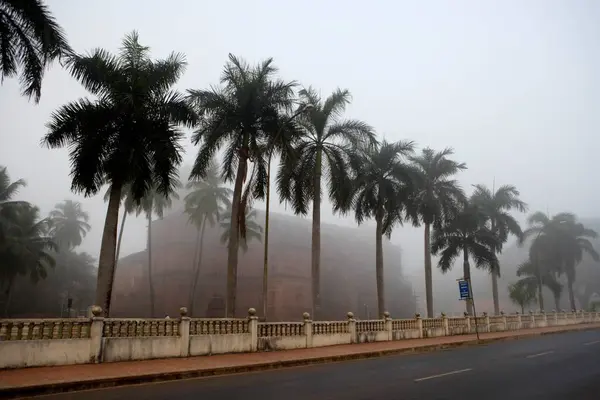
(76, 377)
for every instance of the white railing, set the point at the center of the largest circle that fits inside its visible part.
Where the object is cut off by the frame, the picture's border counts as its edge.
(39, 342)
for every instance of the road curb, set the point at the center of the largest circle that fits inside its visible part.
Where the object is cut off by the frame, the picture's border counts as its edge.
(61, 387)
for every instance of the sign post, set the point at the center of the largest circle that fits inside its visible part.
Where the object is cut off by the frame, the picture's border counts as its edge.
(464, 289)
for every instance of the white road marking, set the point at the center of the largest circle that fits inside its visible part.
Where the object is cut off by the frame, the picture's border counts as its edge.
(591, 343)
(446, 374)
(539, 354)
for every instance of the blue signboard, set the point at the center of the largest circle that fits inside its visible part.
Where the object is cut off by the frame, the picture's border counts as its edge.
(463, 288)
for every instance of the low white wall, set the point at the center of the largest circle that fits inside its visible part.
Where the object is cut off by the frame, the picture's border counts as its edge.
(140, 348)
(201, 345)
(281, 343)
(45, 352)
(433, 332)
(369, 337)
(405, 334)
(331, 339)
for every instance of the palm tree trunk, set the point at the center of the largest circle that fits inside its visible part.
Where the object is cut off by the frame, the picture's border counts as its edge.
(315, 267)
(106, 261)
(570, 281)
(495, 273)
(540, 283)
(379, 264)
(8, 297)
(428, 271)
(265, 284)
(193, 274)
(234, 232)
(522, 309)
(197, 274)
(150, 283)
(467, 277)
(557, 302)
(120, 237)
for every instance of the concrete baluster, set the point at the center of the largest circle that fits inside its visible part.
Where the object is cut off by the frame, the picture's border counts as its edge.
(388, 325)
(253, 327)
(308, 330)
(184, 332)
(419, 325)
(519, 321)
(445, 325)
(96, 332)
(352, 328)
(488, 327)
(504, 321)
(467, 322)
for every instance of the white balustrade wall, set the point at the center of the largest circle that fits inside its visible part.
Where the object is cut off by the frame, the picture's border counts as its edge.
(47, 342)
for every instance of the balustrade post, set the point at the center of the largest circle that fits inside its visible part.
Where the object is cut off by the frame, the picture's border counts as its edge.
(388, 325)
(532, 316)
(467, 322)
(519, 321)
(352, 327)
(487, 321)
(445, 324)
(504, 320)
(184, 332)
(308, 330)
(253, 328)
(96, 332)
(419, 325)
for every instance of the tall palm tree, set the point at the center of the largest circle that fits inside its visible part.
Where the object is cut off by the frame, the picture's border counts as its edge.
(129, 135)
(204, 204)
(69, 224)
(30, 40)
(240, 115)
(466, 233)
(253, 229)
(322, 151)
(26, 250)
(154, 203)
(437, 196)
(382, 190)
(496, 207)
(8, 190)
(522, 293)
(547, 275)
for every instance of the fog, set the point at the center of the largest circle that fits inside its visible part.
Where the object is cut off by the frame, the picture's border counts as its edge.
(511, 85)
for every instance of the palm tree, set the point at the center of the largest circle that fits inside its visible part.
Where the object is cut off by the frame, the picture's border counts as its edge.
(204, 205)
(241, 115)
(547, 275)
(382, 190)
(129, 207)
(322, 152)
(26, 250)
(154, 202)
(497, 206)
(69, 224)
(465, 232)
(8, 190)
(31, 39)
(127, 136)
(253, 229)
(437, 196)
(522, 293)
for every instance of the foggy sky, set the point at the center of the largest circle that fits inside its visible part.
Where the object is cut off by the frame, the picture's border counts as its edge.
(511, 85)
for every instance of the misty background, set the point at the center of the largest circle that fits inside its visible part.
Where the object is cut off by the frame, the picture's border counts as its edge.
(511, 85)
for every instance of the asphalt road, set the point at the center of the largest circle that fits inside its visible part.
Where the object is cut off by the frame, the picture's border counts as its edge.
(562, 366)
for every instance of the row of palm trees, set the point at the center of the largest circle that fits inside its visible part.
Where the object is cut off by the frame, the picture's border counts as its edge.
(29, 244)
(128, 136)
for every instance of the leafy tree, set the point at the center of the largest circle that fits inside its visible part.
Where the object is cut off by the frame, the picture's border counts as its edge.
(437, 196)
(204, 204)
(127, 136)
(30, 39)
(466, 233)
(253, 229)
(322, 152)
(496, 207)
(240, 115)
(522, 293)
(69, 224)
(26, 250)
(382, 191)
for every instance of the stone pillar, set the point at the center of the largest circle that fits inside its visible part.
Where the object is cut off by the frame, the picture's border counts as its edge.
(445, 325)
(253, 326)
(184, 332)
(419, 325)
(352, 328)
(308, 331)
(519, 321)
(532, 319)
(487, 322)
(388, 325)
(96, 332)
(504, 321)
(467, 322)
(544, 318)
